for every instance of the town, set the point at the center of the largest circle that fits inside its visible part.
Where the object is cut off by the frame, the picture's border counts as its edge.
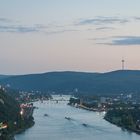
(122, 110)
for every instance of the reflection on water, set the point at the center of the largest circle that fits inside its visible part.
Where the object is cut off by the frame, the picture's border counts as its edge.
(67, 123)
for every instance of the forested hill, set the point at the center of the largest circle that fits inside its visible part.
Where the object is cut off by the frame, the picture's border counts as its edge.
(4, 76)
(9, 114)
(90, 83)
(9, 108)
(11, 119)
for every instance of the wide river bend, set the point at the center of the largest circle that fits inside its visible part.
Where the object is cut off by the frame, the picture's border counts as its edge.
(56, 127)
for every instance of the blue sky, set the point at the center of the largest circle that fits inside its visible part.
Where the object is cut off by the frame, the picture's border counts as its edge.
(78, 35)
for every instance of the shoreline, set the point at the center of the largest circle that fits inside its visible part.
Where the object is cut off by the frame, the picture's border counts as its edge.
(123, 127)
(120, 126)
(87, 108)
(27, 125)
(12, 135)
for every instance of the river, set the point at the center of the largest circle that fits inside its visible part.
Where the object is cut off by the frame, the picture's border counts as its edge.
(56, 127)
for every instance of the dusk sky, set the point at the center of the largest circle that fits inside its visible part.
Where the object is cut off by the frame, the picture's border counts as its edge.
(68, 35)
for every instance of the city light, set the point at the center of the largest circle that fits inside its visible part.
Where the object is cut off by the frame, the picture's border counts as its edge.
(21, 112)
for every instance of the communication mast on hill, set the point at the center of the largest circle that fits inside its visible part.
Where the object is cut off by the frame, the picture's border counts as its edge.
(123, 61)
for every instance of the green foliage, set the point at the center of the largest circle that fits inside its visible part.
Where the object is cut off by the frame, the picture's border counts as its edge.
(124, 117)
(10, 114)
(9, 109)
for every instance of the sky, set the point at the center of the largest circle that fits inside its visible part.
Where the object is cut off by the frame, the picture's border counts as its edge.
(39, 36)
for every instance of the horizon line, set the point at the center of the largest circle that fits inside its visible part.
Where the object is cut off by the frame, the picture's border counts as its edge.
(59, 71)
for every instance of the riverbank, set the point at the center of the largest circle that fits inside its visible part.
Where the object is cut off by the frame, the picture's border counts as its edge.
(27, 118)
(24, 122)
(10, 136)
(131, 129)
(107, 119)
(87, 108)
(125, 118)
(92, 109)
(123, 127)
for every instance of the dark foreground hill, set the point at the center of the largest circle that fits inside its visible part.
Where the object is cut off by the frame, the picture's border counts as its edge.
(121, 81)
(9, 108)
(9, 113)
(11, 120)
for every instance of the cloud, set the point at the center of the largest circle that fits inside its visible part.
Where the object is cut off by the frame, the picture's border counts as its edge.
(11, 26)
(103, 20)
(98, 39)
(38, 28)
(18, 29)
(60, 31)
(137, 18)
(126, 40)
(5, 20)
(121, 41)
(105, 28)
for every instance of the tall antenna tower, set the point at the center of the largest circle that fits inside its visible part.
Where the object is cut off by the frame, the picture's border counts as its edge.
(123, 61)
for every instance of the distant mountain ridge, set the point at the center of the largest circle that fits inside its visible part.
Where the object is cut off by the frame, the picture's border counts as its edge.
(121, 81)
(4, 76)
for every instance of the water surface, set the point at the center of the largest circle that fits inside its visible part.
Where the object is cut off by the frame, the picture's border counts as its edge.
(55, 126)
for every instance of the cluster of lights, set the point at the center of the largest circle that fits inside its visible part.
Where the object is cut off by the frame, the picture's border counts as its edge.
(3, 126)
(21, 112)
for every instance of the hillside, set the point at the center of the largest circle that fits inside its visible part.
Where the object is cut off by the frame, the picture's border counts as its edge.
(4, 76)
(11, 121)
(9, 108)
(9, 113)
(125, 81)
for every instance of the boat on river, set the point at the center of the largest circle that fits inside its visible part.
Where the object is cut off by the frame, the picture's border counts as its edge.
(68, 118)
(46, 115)
(84, 124)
